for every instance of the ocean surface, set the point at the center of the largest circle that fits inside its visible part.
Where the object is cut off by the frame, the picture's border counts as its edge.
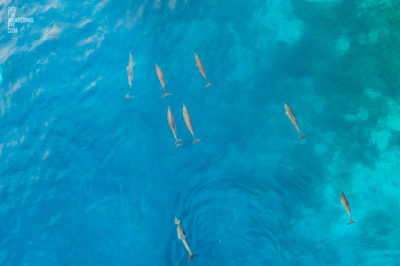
(89, 177)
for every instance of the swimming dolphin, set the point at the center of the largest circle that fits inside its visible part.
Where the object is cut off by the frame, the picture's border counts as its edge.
(346, 206)
(171, 122)
(182, 237)
(201, 69)
(188, 123)
(129, 70)
(160, 76)
(292, 118)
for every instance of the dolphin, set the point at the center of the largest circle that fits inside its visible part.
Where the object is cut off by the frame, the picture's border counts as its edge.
(292, 118)
(171, 122)
(201, 69)
(129, 70)
(346, 206)
(188, 123)
(182, 237)
(160, 76)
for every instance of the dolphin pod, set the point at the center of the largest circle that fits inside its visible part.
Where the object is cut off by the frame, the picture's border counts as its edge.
(160, 74)
(188, 122)
(171, 121)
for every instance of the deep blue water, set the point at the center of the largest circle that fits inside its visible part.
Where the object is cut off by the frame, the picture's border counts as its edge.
(88, 177)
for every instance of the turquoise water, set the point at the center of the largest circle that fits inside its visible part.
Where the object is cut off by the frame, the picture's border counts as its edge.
(88, 177)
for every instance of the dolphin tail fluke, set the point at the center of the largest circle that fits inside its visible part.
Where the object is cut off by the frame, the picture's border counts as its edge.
(191, 256)
(196, 140)
(351, 222)
(166, 94)
(302, 137)
(128, 96)
(177, 144)
(208, 84)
